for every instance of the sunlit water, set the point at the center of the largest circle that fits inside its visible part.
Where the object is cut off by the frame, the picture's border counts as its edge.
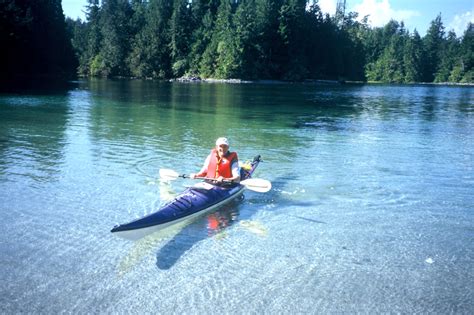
(371, 208)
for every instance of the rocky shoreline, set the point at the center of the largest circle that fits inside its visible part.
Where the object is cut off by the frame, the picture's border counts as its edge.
(209, 80)
(196, 79)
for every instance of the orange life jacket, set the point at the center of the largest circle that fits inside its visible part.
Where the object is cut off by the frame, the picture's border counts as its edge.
(220, 166)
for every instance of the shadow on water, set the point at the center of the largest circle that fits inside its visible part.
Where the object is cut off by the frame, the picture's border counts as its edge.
(216, 224)
(176, 243)
(207, 226)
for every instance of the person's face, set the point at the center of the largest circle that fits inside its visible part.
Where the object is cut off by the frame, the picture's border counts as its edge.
(222, 149)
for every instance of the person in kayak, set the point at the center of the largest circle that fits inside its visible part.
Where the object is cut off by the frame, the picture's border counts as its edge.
(220, 164)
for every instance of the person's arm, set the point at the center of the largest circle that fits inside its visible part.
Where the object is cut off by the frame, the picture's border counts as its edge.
(203, 171)
(235, 171)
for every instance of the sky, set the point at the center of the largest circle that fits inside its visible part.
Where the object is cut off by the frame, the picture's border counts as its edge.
(416, 14)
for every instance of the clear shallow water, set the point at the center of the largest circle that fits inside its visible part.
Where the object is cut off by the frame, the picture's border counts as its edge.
(371, 211)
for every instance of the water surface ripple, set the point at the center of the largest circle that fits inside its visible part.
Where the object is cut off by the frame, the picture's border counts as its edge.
(371, 209)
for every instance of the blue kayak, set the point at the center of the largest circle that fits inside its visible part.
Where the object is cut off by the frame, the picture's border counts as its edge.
(193, 202)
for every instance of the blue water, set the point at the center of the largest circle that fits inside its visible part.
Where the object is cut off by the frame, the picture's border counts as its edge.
(371, 211)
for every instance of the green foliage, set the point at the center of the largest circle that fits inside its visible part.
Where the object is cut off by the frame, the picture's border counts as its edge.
(180, 32)
(456, 74)
(255, 39)
(407, 59)
(433, 47)
(224, 41)
(115, 31)
(449, 55)
(245, 22)
(466, 60)
(179, 67)
(35, 40)
(97, 66)
(151, 56)
(201, 39)
(269, 43)
(412, 58)
(468, 77)
(291, 18)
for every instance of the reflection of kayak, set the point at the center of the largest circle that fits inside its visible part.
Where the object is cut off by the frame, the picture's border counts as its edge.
(193, 202)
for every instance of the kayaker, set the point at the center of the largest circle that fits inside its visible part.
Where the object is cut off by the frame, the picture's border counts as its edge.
(220, 164)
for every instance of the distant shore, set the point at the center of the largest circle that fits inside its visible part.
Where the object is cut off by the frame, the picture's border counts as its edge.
(196, 79)
(35, 82)
(242, 81)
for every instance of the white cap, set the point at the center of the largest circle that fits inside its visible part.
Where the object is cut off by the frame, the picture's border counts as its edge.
(222, 140)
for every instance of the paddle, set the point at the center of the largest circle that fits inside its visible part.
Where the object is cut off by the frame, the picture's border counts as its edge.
(255, 184)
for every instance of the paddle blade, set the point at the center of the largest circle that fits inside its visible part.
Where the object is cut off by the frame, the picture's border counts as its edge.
(257, 184)
(168, 174)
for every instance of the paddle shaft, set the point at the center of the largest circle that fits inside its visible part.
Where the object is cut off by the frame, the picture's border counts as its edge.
(208, 178)
(255, 184)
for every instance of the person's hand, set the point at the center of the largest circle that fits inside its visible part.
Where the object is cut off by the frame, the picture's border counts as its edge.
(220, 179)
(192, 175)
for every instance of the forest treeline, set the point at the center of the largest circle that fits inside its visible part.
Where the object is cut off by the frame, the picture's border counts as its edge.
(247, 39)
(34, 40)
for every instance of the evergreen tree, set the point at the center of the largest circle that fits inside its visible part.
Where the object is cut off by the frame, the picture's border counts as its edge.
(269, 42)
(207, 61)
(389, 66)
(225, 43)
(466, 62)
(329, 55)
(293, 61)
(150, 56)
(34, 40)
(315, 42)
(78, 34)
(94, 39)
(138, 19)
(203, 15)
(137, 25)
(265, 39)
(15, 34)
(352, 35)
(373, 45)
(433, 44)
(449, 55)
(115, 30)
(412, 58)
(180, 36)
(390, 63)
(245, 23)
